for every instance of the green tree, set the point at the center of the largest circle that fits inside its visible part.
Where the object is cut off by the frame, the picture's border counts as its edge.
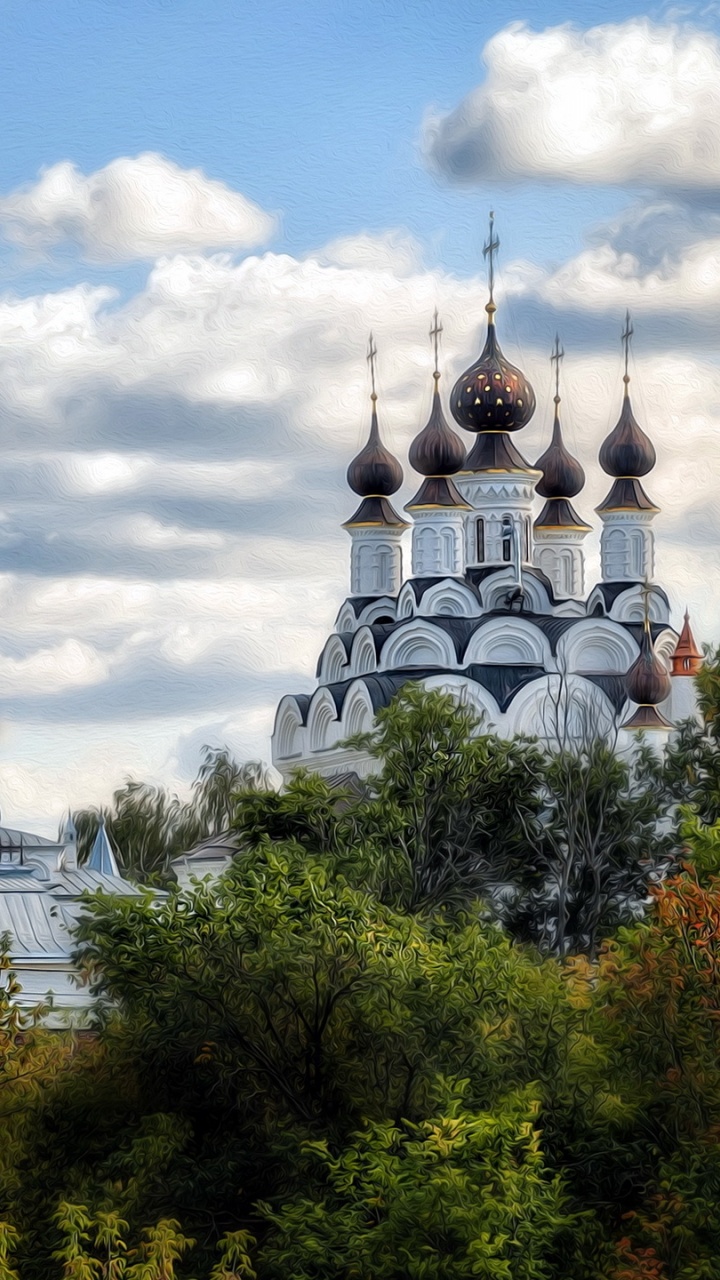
(463, 1194)
(149, 826)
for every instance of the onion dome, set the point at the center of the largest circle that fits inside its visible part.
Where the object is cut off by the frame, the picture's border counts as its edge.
(562, 476)
(627, 453)
(492, 395)
(375, 473)
(687, 658)
(437, 452)
(647, 683)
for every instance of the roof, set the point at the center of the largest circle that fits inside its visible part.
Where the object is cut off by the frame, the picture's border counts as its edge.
(12, 839)
(102, 858)
(72, 883)
(37, 925)
(223, 845)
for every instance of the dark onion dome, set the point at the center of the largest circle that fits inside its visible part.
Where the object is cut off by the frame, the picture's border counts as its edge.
(492, 395)
(627, 451)
(647, 683)
(562, 475)
(437, 450)
(375, 472)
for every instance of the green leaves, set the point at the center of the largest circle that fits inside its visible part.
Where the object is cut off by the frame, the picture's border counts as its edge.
(461, 1194)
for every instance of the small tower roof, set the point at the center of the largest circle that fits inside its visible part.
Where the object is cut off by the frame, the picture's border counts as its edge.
(102, 858)
(437, 452)
(562, 475)
(687, 658)
(627, 453)
(375, 473)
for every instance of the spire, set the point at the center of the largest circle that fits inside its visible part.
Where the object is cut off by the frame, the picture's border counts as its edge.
(437, 452)
(627, 453)
(647, 683)
(687, 658)
(492, 395)
(375, 473)
(562, 476)
(102, 859)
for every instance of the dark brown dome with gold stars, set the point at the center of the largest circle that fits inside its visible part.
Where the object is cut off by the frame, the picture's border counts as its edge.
(492, 395)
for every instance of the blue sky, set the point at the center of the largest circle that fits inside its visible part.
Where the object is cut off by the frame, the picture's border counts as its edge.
(203, 209)
(311, 109)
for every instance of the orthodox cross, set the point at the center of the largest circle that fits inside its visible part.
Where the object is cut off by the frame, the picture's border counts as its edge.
(627, 334)
(372, 352)
(555, 359)
(489, 251)
(435, 335)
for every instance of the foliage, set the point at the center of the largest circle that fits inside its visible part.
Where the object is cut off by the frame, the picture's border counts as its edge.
(692, 761)
(462, 1194)
(149, 826)
(561, 845)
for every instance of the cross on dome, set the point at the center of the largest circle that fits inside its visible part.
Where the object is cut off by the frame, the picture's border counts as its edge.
(489, 251)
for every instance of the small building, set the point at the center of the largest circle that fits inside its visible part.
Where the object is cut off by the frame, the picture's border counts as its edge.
(41, 892)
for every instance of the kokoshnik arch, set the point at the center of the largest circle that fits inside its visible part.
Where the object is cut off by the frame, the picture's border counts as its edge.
(496, 608)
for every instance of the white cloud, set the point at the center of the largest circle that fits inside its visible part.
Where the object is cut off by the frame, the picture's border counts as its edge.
(135, 207)
(173, 484)
(633, 102)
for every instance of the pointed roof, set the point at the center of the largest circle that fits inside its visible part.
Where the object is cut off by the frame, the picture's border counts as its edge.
(687, 658)
(102, 858)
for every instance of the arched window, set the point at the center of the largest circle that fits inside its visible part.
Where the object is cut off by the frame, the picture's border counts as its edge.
(507, 548)
(615, 555)
(637, 554)
(527, 537)
(480, 540)
(448, 545)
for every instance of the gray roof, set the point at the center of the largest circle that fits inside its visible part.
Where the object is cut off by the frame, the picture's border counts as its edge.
(223, 845)
(37, 925)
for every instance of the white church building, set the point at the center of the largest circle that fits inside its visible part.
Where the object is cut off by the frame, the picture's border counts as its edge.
(496, 607)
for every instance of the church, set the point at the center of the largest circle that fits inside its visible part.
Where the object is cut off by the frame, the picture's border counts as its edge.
(496, 609)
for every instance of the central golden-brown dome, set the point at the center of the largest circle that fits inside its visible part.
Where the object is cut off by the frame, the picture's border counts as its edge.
(492, 395)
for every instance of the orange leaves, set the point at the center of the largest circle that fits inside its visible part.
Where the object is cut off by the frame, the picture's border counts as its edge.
(638, 1264)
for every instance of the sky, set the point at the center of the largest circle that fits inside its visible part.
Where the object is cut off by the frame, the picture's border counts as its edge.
(204, 208)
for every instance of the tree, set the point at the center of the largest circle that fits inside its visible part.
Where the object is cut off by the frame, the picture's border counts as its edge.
(561, 844)
(281, 1006)
(463, 1194)
(692, 760)
(657, 1014)
(149, 826)
(603, 845)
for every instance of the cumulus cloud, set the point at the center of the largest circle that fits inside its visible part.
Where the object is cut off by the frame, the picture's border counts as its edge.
(134, 207)
(173, 482)
(633, 103)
